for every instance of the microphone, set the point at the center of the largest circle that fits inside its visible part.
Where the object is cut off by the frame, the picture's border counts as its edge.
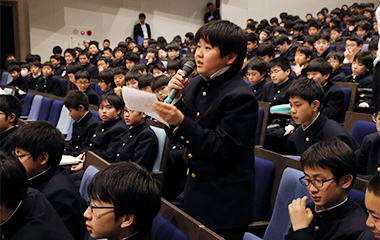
(188, 68)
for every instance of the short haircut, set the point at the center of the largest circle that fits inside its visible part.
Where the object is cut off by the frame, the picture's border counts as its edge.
(71, 51)
(82, 74)
(48, 63)
(159, 82)
(298, 27)
(105, 59)
(252, 37)
(280, 30)
(107, 76)
(283, 15)
(281, 39)
(320, 65)
(118, 49)
(14, 182)
(152, 50)
(373, 185)
(189, 35)
(281, 62)
(307, 89)
(36, 64)
(106, 40)
(174, 65)
(159, 67)
(55, 57)
(140, 67)
(145, 81)
(273, 20)
(142, 15)
(132, 57)
(114, 100)
(313, 23)
(57, 50)
(373, 45)
(335, 21)
(265, 49)
(173, 46)
(365, 25)
(161, 40)
(10, 104)
(366, 58)
(93, 43)
(132, 75)
(14, 67)
(73, 68)
(355, 38)
(108, 49)
(120, 70)
(251, 26)
(336, 28)
(228, 37)
(322, 35)
(305, 50)
(331, 154)
(338, 55)
(310, 40)
(75, 98)
(40, 137)
(258, 64)
(84, 53)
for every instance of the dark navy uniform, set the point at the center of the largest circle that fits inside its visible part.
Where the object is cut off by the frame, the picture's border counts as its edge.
(346, 221)
(35, 219)
(333, 101)
(50, 85)
(276, 94)
(59, 70)
(33, 81)
(337, 76)
(364, 81)
(367, 235)
(258, 89)
(118, 63)
(368, 156)
(219, 133)
(59, 189)
(94, 58)
(92, 96)
(92, 70)
(323, 55)
(6, 139)
(81, 135)
(21, 84)
(251, 54)
(139, 145)
(107, 138)
(289, 53)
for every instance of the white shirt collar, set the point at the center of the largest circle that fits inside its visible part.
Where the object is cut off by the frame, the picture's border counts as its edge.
(318, 211)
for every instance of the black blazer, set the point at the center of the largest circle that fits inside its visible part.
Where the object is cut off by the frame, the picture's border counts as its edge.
(137, 30)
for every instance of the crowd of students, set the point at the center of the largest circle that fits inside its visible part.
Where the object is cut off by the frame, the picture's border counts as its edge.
(212, 127)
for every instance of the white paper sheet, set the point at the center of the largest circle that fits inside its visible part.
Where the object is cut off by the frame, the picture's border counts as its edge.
(69, 160)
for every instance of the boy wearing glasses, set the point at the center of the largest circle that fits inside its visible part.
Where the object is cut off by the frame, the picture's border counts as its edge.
(329, 168)
(83, 83)
(119, 208)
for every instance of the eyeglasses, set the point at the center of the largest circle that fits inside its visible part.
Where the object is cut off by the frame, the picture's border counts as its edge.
(376, 117)
(83, 83)
(97, 207)
(19, 156)
(316, 183)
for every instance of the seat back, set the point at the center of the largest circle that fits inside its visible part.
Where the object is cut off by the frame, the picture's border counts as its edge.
(162, 229)
(27, 104)
(63, 82)
(358, 197)
(88, 174)
(95, 113)
(55, 112)
(45, 109)
(342, 48)
(346, 101)
(362, 129)
(8, 91)
(35, 108)
(347, 70)
(92, 85)
(64, 121)
(365, 47)
(332, 47)
(161, 137)
(5, 78)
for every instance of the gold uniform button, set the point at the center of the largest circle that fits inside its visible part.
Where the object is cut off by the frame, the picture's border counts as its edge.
(193, 175)
(278, 91)
(94, 135)
(307, 139)
(78, 136)
(103, 130)
(204, 94)
(190, 155)
(182, 137)
(118, 155)
(316, 228)
(90, 144)
(208, 84)
(187, 142)
(130, 136)
(274, 98)
(378, 169)
(198, 114)
(76, 147)
(254, 90)
(123, 144)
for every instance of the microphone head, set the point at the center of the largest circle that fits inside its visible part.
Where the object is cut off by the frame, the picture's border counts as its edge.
(188, 68)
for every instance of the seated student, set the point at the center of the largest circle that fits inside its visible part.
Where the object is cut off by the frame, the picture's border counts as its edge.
(298, 32)
(265, 51)
(36, 75)
(141, 68)
(93, 49)
(321, 45)
(19, 82)
(309, 42)
(373, 46)
(363, 29)
(118, 60)
(25, 212)
(275, 90)
(336, 58)
(160, 87)
(83, 82)
(130, 60)
(264, 36)
(25, 72)
(106, 81)
(329, 168)
(305, 98)
(152, 58)
(159, 70)
(57, 51)
(70, 58)
(257, 72)
(39, 147)
(10, 111)
(139, 144)
(108, 133)
(50, 83)
(119, 78)
(285, 47)
(336, 34)
(132, 79)
(313, 27)
(144, 83)
(134, 207)
(102, 63)
(84, 59)
(131, 44)
(84, 122)
(71, 70)
(173, 67)
(173, 51)
(302, 58)
(252, 44)
(107, 52)
(354, 44)
(58, 68)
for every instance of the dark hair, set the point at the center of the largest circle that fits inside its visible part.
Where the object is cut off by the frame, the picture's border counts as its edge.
(14, 183)
(142, 15)
(173, 46)
(48, 63)
(288, 24)
(120, 70)
(10, 104)
(145, 81)
(161, 40)
(174, 65)
(108, 49)
(159, 67)
(82, 74)
(118, 49)
(189, 35)
(355, 38)
(101, 58)
(159, 82)
(336, 28)
(281, 62)
(107, 76)
(73, 68)
(280, 30)
(132, 57)
(228, 37)
(298, 27)
(335, 21)
(265, 49)
(251, 26)
(114, 100)
(29, 58)
(313, 23)
(40, 137)
(71, 52)
(84, 53)
(258, 64)
(338, 55)
(36, 63)
(93, 43)
(57, 50)
(75, 98)
(252, 37)
(366, 58)
(374, 185)
(273, 20)
(14, 67)
(152, 50)
(55, 57)
(309, 39)
(305, 50)
(281, 39)
(106, 40)
(322, 35)
(365, 25)
(322, 12)
(283, 15)
(132, 75)
(307, 89)
(373, 45)
(320, 65)
(131, 189)
(139, 67)
(331, 154)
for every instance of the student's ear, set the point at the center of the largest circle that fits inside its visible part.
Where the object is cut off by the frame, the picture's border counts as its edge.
(127, 221)
(44, 158)
(308, 58)
(341, 64)
(288, 72)
(118, 112)
(315, 105)
(231, 58)
(346, 181)
(11, 118)
(81, 108)
(326, 76)
(143, 115)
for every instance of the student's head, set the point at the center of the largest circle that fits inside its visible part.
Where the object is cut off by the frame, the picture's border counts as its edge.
(303, 55)
(265, 51)
(55, 60)
(10, 111)
(274, 21)
(305, 98)
(372, 199)
(131, 44)
(257, 69)
(173, 50)
(264, 35)
(118, 53)
(329, 168)
(309, 42)
(282, 43)
(152, 53)
(189, 36)
(354, 43)
(173, 67)
(93, 47)
(14, 70)
(133, 118)
(141, 68)
(279, 70)
(82, 78)
(322, 42)
(106, 43)
(313, 27)
(142, 18)
(252, 41)
(319, 70)
(363, 62)
(335, 33)
(132, 79)
(298, 29)
(84, 58)
(70, 55)
(321, 16)
(47, 69)
(77, 103)
(158, 70)
(228, 47)
(363, 28)
(57, 50)
(335, 58)
(38, 146)
(107, 52)
(110, 107)
(102, 63)
(283, 16)
(71, 70)
(373, 46)
(106, 80)
(160, 87)
(145, 81)
(130, 60)
(119, 186)
(119, 76)
(35, 67)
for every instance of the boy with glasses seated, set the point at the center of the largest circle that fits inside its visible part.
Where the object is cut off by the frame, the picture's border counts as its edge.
(83, 83)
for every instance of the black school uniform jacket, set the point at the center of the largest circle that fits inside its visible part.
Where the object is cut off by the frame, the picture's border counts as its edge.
(346, 221)
(276, 94)
(290, 53)
(35, 219)
(59, 70)
(107, 138)
(137, 31)
(6, 139)
(139, 145)
(50, 85)
(81, 135)
(338, 76)
(323, 55)
(59, 189)
(92, 96)
(218, 132)
(258, 89)
(32, 82)
(368, 156)
(364, 81)
(333, 101)
(92, 69)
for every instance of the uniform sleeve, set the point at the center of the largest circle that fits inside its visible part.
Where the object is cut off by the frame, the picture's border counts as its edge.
(146, 150)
